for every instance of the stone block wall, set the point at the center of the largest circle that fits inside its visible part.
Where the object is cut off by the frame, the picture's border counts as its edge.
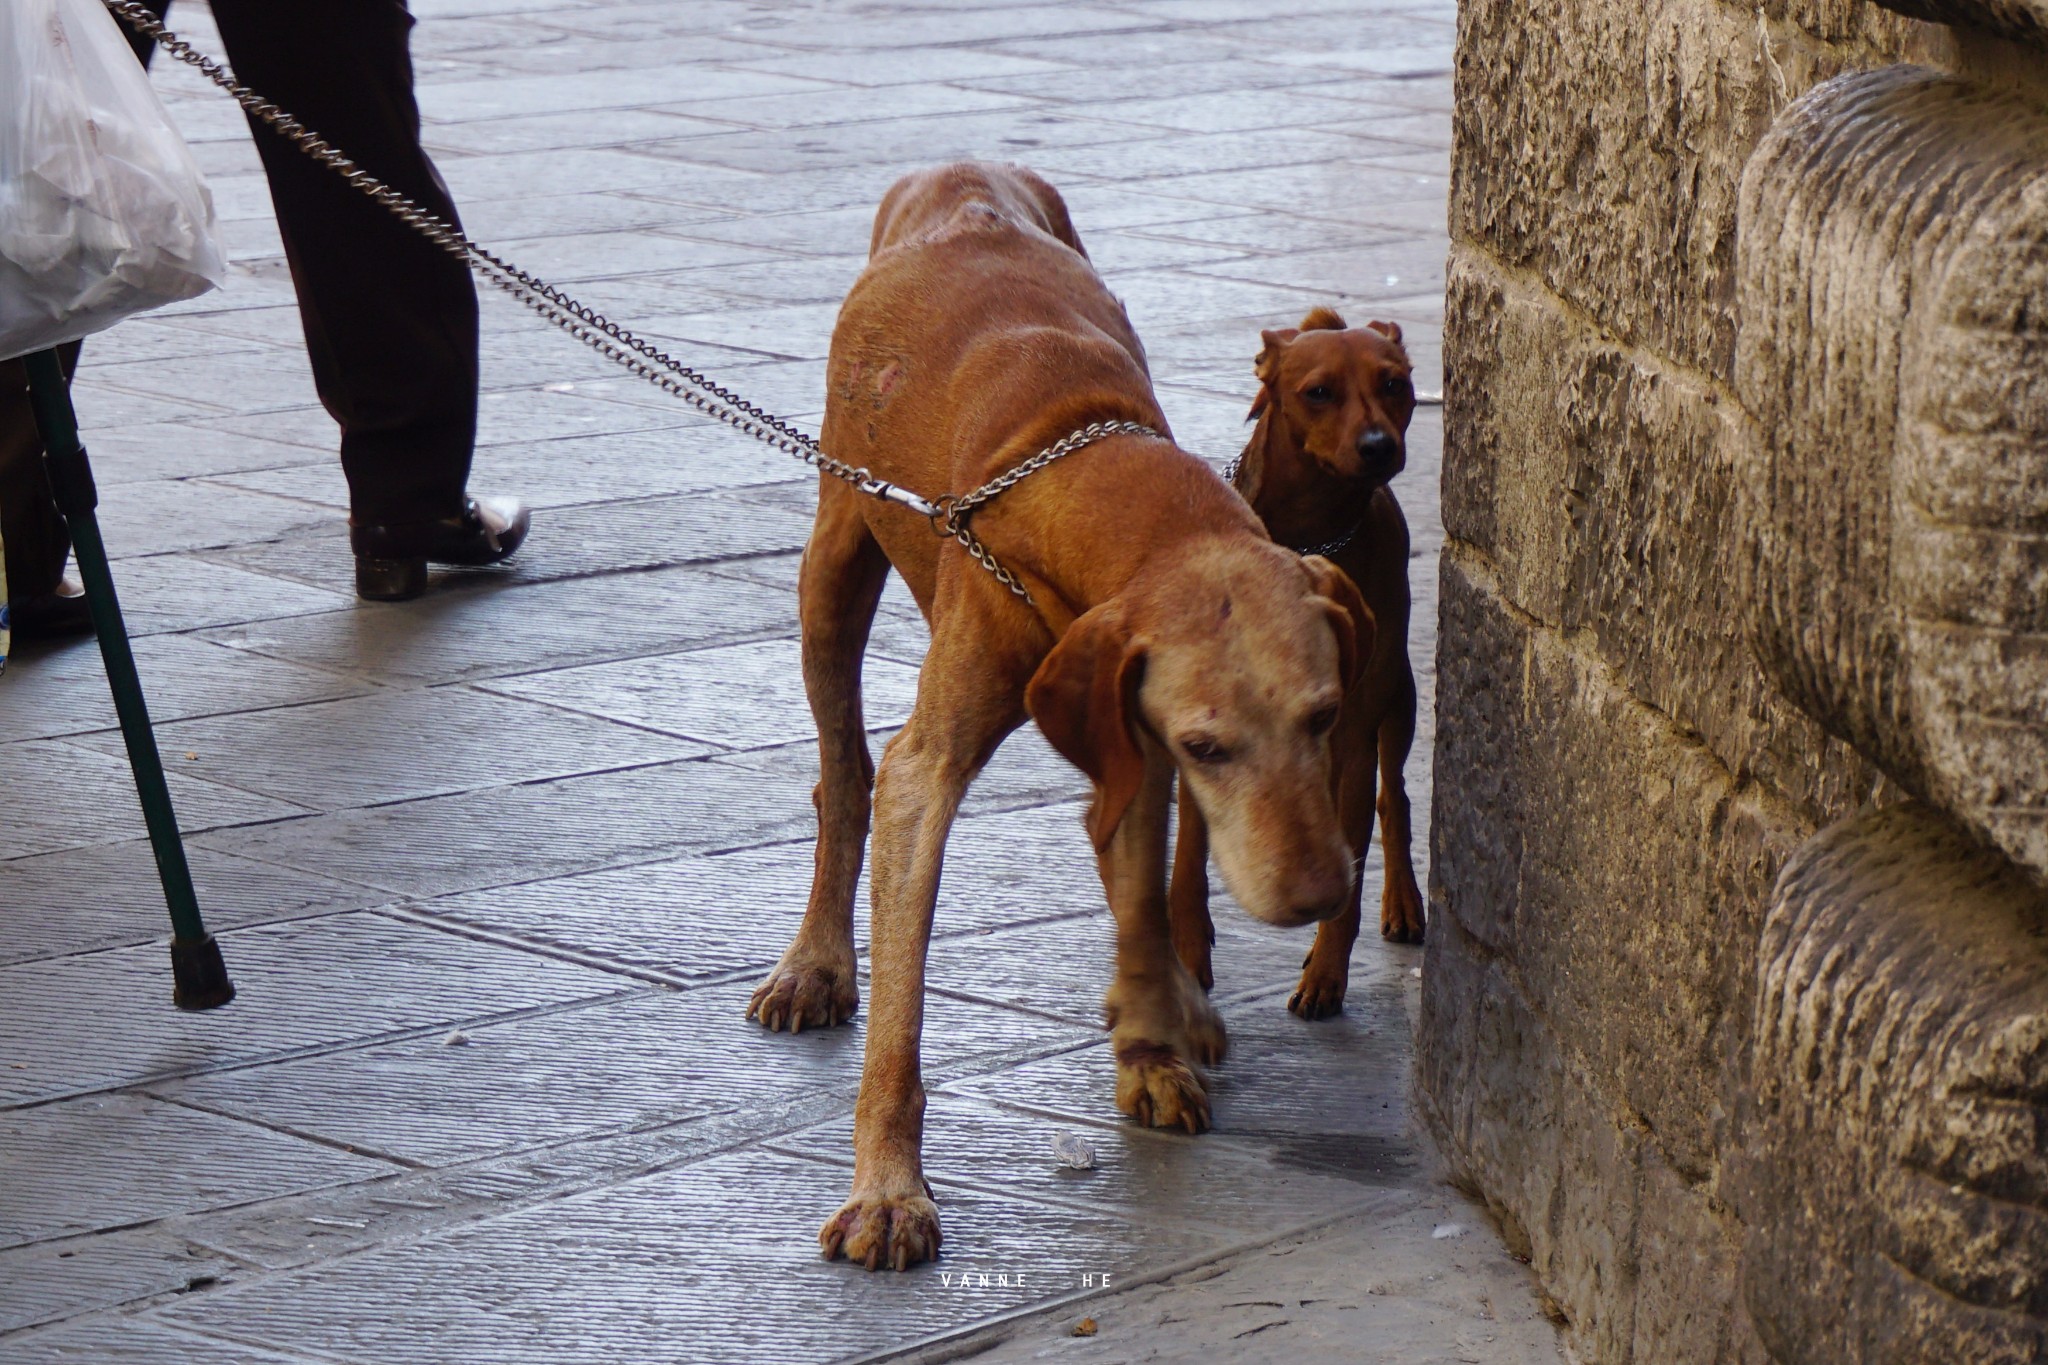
(1736, 1000)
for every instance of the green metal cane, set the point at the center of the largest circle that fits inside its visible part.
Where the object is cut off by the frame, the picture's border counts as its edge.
(199, 977)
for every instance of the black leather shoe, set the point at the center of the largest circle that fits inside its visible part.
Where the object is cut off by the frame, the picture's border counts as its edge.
(55, 615)
(392, 559)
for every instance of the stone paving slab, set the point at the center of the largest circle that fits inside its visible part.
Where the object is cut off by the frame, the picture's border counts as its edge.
(1139, 1174)
(1062, 968)
(112, 898)
(118, 1342)
(574, 824)
(66, 692)
(52, 1281)
(96, 1022)
(480, 628)
(362, 751)
(692, 1250)
(81, 798)
(638, 1060)
(597, 538)
(113, 1159)
(756, 898)
(747, 696)
(170, 593)
(1325, 1091)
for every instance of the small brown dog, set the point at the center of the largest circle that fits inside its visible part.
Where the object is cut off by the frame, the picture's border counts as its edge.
(1165, 632)
(1333, 411)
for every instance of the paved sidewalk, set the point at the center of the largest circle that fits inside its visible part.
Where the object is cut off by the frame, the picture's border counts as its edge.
(495, 871)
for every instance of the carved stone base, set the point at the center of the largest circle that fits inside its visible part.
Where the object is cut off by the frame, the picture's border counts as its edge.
(1896, 1183)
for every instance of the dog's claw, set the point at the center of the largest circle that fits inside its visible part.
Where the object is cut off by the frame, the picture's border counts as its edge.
(893, 1231)
(1317, 998)
(1159, 1089)
(800, 993)
(1401, 919)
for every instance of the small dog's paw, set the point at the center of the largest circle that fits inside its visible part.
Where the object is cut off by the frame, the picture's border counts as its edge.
(893, 1232)
(798, 995)
(1401, 911)
(1320, 993)
(1158, 1089)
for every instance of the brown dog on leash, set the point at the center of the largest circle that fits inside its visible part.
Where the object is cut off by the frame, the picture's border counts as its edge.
(1164, 631)
(1333, 411)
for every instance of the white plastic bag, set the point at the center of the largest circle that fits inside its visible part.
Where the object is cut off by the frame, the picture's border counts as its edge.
(102, 210)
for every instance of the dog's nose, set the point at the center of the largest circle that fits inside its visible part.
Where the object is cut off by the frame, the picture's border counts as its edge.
(1379, 449)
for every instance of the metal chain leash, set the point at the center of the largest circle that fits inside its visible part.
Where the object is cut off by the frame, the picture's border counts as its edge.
(948, 515)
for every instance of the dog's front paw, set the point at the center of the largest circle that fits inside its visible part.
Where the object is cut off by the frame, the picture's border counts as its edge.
(1319, 995)
(1158, 1089)
(1324, 974)
(801, 993)
(896, 1230)
(1401, 910)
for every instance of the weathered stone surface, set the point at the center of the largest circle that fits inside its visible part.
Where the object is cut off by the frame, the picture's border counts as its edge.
(1896, 1180)
(1532, 1136)
(1894, 361)
(1601, 483)
(1619, 781)
(1599, 146)
(1584, 839)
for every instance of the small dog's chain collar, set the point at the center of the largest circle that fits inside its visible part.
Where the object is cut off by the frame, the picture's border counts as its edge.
(948, 515)
(1328, 547)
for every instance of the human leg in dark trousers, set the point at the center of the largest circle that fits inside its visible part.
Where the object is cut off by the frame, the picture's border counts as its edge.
(391, 319)
(45, 602)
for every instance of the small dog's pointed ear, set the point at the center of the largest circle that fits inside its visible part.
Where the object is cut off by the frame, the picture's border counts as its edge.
(1350, 618)
(1322, 319)
(1390, 330)
(1271, 344)
(1085, 700)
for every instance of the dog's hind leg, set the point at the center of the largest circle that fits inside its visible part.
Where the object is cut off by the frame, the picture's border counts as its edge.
(1187, 900)
(1401, 899)
(841, 580)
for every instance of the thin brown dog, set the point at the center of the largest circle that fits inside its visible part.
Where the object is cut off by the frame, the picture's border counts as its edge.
(1333, 411)
(1168, 632)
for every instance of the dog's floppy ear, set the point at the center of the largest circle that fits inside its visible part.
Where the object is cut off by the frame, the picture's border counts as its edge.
(1390, 330)
(1085, 700)
(1349, 616)
(1267, 364)
(1322, 319)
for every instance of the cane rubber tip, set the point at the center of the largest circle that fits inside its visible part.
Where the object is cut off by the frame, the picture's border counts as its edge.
(199, 977)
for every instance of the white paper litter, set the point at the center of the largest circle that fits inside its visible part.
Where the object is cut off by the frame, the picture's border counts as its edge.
(1073, 1152)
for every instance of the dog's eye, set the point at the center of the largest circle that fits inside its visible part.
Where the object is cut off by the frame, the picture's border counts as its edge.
(1396, 386)
(1322, 721)
(1318, 393)
(1203, 749)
